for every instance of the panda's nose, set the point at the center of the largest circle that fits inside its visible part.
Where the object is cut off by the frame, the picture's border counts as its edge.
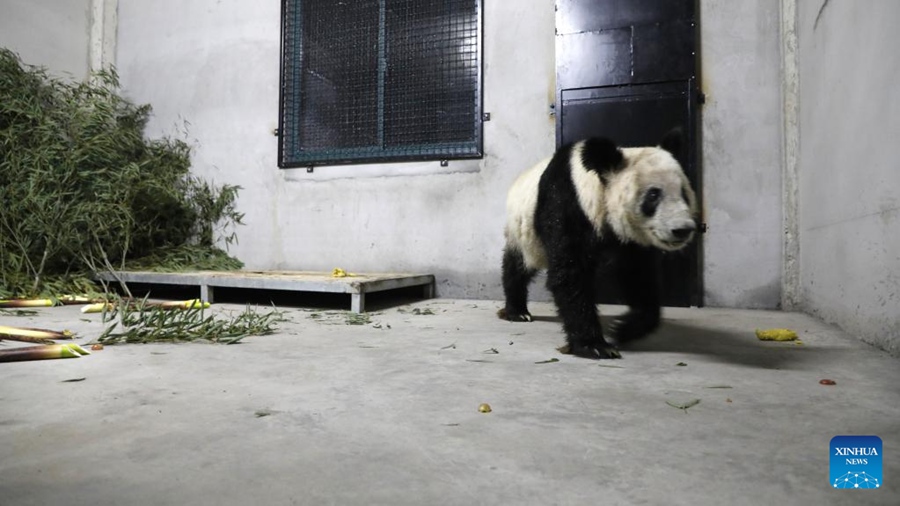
(683, 233)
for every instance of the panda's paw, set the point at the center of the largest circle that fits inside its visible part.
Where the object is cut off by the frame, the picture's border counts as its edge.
(514, 316)
(592, 351)
(634, 324)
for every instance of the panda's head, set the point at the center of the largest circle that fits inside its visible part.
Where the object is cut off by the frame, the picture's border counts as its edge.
(650, 199)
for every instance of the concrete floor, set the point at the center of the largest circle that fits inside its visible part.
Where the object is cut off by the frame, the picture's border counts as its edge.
(389, 415)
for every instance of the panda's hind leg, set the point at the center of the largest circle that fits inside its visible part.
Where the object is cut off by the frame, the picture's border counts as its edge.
(516, 278)
(638, 274)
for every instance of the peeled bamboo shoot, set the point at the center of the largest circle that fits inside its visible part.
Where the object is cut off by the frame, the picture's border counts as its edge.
(26, 303)
(175, 304)
(49, 352)
(13, 332)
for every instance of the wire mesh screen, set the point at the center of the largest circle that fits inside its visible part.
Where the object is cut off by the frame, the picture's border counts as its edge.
(380, 80)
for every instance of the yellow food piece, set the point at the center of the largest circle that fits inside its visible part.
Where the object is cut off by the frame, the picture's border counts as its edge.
(776, 335)
(484, 408)
(341, 273)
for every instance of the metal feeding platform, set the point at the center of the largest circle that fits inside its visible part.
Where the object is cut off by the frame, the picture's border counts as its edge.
(356, 285)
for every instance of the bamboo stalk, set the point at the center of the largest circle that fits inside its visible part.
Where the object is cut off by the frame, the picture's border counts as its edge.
(13, 332)
(26, 303)
(98, 307)
(175, 304)
(49, 352)
(26, 339)
(67, 300)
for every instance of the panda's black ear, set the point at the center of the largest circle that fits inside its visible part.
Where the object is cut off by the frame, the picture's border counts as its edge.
(601, 155)
(673, 142)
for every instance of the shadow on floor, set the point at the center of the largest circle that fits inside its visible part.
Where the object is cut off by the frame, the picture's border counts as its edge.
(734, 348)
(727, 347)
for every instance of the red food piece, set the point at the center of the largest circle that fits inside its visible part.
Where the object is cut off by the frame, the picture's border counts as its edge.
(827, 382)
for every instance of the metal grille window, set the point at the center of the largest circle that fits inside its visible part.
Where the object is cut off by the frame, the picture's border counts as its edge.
(379, 80)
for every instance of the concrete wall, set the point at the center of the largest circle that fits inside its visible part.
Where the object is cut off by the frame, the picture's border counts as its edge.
(742, 152)
(215, 64)
(849, 173)
(49, 33)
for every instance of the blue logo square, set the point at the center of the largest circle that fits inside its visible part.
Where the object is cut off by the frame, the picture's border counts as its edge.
(856, 462)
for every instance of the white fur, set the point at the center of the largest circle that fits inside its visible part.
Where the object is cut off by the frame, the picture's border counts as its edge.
(589, 188)
(618, 203)
(650, 167)
(521, 202)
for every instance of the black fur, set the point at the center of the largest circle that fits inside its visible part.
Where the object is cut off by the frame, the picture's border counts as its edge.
(638, 274)
(516, 278)
(601, 155)
(651, 201)
(673, 142)
(574, 252)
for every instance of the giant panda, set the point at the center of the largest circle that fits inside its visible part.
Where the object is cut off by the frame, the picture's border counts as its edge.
(593, 202)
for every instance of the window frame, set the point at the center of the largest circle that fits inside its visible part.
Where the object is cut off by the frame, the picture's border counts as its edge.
(292, 47)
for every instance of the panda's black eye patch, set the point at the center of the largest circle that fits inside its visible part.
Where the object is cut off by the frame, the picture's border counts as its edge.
(651, 201)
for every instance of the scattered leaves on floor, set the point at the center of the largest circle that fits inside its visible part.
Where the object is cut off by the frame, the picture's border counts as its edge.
(719, 386)
(610, 366)
(357, 319)
(73, 380)
(684, 405)
(449, 347)
(728, 400)
(424, 312)
(450, 424)
(492, 351)
(479, 361)
(681, 364)
(550, 361)
(261, 413)
(138, 323)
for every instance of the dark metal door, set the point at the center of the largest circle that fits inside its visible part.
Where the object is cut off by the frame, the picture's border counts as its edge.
(627, 70)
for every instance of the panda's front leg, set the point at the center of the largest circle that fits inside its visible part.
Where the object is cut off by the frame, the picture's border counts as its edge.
(638, 274)
(571, 281)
